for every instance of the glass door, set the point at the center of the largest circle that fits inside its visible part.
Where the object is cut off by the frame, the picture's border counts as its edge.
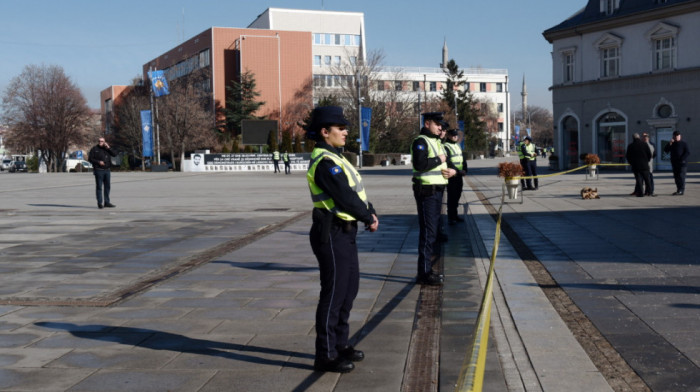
(663, 159)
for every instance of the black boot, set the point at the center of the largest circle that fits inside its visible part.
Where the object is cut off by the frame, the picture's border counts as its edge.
(337, 365)
(348, 352)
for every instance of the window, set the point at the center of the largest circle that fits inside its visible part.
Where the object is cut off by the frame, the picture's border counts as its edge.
(318, 81)
(336, 60)
(204, 58)
(611, 137)
(347, 39)
(398, 86)
(416, 86)
(608, 7)
(433, 86)
(466, 87)
(327, 39)
(664, 111)
(610, 62)
(380, 85)
(329, 80)
(357, 40)
(317, 39)
(317, 60)
(482, 87)
(353, 60)
(337, 39)
(664, 53)
(568, 67)
(327, 60)
(500, 108)
(499, 87)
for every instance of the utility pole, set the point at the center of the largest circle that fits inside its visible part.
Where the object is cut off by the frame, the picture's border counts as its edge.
(359, 112)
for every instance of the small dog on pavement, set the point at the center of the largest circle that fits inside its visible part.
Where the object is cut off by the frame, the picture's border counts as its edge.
(589, 193)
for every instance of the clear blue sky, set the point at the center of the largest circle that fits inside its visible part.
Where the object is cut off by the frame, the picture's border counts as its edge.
(101, 43)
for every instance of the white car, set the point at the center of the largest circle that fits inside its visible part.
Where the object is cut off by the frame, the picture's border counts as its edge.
(6, 164)
(72, 164)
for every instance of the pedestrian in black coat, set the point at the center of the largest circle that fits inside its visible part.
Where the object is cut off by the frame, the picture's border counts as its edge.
(679, 161)
(638, 156)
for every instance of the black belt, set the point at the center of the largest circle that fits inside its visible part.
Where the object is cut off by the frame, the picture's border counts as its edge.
(434, 188)
(343, 224)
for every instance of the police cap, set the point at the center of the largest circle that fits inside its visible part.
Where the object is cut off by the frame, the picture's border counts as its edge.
(434, 116)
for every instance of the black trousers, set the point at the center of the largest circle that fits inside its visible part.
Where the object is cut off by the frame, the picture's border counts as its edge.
(642, 182)
(454, 193)
(340, 281)
(531, 170)
(102, 181)
(276, 162)
(429, 205)
(679, 176)
(287, 168)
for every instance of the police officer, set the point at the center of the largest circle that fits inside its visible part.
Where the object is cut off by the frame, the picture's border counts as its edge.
(430, 174)
(528, 160)
(456, 160)
(276, 160)
(339, 201)
(285, 159)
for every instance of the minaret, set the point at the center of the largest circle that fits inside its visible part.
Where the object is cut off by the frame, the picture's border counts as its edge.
(524, 95)
(444, 54)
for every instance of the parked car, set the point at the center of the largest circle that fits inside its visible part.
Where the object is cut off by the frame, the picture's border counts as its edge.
(18, 166)
(6, 163)
(72, 165)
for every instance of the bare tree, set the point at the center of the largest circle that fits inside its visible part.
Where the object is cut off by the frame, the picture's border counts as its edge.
(387, 92)
(185, 123)
(45, 111)
(541, 123)
(128, 118)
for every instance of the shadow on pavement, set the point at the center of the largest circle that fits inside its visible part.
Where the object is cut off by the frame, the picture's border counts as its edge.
(362, 332)
(158, 340)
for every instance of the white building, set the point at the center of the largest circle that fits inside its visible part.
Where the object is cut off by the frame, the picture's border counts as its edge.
(621, 67)
(339, 40)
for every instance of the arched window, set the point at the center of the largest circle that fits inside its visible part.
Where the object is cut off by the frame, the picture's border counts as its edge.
(612, 128)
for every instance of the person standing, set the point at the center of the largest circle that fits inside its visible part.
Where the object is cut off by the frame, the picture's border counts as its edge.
(430, 176)
(638, 156)
(529, 154)
(523, 162)
(650, 191)
(679, 161)
(276, 161)
(455, 183)
(339, 201)
(100, 157)
(285, 159)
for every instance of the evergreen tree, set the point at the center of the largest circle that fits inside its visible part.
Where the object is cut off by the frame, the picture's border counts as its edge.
(468, 109)
(241, 103)
(455, 80)
(286, 141)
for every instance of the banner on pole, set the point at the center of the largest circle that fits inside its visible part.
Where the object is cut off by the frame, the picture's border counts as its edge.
(366, 120)
(159, 83)
(146, 133)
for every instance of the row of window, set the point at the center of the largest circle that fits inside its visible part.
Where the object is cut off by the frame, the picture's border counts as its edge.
(664, 58)
(336, 39)
(332, 60)
(432, 86)
(186, 67)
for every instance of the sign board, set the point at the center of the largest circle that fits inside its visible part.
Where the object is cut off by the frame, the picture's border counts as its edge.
(257, 132)
(243, 162)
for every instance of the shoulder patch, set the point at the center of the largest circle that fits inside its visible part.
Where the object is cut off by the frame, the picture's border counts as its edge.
(336, 170)
(420, 146)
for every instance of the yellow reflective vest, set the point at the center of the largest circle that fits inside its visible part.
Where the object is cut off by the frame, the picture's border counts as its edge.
(531, 150)
(454, 152)
(276, 155)
(321, 199)
(434, 175)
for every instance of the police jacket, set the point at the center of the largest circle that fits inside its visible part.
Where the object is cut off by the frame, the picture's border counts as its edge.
(455, 157)
(98, 154)
(334, 182)
(421, 157)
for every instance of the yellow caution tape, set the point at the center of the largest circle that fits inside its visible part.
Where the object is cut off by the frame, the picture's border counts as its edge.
(471, 375)
(564, 172)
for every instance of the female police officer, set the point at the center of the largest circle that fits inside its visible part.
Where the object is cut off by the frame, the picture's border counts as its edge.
(339, 201)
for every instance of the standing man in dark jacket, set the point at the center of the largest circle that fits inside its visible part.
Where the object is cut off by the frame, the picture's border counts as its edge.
(679, 161)
(100, 157)
(340, 202)
(638, 156)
